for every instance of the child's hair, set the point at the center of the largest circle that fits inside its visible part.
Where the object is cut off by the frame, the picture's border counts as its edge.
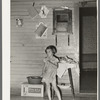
(53, 49)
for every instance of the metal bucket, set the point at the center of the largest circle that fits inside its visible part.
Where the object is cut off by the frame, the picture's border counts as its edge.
(34, 79)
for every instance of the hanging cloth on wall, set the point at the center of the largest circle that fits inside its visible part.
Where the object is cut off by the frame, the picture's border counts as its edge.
(44, 12)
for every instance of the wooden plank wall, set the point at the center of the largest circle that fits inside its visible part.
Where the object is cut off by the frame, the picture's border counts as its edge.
(27, 52)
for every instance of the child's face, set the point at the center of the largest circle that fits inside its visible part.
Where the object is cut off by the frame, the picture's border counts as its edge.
(49, 53)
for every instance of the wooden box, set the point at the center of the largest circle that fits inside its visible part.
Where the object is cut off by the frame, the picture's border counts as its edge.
(36, 90)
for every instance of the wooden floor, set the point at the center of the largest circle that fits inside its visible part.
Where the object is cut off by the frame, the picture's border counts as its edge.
(55, 98)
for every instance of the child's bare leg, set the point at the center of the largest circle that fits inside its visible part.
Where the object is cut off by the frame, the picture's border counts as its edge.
(48, 90)
(56, 89)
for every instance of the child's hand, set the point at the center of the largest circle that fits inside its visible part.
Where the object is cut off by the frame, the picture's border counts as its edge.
(41, 75)
(44, 60)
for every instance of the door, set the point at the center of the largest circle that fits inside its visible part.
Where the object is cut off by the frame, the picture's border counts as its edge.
(88, 49)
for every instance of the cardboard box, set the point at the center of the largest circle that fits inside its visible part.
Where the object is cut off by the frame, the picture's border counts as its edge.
(35, 90)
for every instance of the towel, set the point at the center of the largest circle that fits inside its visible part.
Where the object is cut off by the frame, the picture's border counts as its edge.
(62, 68)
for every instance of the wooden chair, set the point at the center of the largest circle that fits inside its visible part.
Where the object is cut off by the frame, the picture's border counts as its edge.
(70, 85)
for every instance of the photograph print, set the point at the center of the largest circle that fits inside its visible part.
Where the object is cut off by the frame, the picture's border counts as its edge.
(53, 49)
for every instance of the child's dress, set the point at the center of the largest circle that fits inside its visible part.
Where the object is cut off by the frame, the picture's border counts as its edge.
(50, 70)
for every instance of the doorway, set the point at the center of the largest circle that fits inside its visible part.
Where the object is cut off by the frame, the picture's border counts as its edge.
(88, 50)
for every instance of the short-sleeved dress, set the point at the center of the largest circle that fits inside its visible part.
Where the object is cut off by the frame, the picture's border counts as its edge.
(50, 70)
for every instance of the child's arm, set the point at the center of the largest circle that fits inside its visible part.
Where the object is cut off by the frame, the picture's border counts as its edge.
(55, 63)
(44, 67)
(70, 60)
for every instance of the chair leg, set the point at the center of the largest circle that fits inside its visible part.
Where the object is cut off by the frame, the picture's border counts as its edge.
(52, 93)
(71, 82)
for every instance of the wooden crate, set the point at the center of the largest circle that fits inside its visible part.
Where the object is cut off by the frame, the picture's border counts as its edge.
(35, 90)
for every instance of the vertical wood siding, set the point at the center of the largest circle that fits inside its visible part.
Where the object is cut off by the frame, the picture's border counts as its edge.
(27, 52)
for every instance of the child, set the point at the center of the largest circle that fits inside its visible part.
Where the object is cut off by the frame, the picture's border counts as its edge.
(50, 70)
